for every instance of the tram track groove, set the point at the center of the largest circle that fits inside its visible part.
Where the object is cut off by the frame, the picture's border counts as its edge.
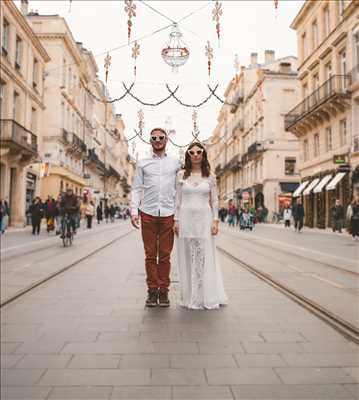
(343, 327)
(42, 281)
(257, 243)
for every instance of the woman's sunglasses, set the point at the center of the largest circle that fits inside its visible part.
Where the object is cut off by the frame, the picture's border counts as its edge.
(197, 152)
(157, 138)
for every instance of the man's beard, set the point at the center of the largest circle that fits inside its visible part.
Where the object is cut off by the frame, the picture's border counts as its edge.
(163, 146)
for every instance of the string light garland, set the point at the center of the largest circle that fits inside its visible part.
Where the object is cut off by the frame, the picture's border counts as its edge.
(107, 63)
(130, 10)
(217, 13)
(209, 55)
(135, 54)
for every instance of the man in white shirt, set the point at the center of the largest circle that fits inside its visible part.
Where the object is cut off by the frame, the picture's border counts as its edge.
(153, 194)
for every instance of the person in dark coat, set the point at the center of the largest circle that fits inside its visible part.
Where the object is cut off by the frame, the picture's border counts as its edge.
(107, 213)
(112, 213)
(50, 209)
(4, 212)
(37, 212)
(99, 213)
(298, 215)
(353, 217)
(337, 213)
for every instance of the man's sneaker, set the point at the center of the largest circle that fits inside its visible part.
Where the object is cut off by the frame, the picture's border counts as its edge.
(163, 298)
(152, 298)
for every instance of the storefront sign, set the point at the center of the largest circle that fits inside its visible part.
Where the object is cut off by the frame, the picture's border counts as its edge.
(339, 159)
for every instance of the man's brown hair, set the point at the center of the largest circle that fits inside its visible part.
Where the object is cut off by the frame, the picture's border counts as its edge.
(159, 129)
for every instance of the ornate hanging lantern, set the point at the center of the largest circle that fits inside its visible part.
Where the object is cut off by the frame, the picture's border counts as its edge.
(209, 55)
(217, 13)
(276, 7)
(175, 53)
(107, 64)
(135, 54)
(130, 10)
(236, 66)
(194, 119)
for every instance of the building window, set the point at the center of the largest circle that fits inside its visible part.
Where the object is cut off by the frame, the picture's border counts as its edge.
(328, 70)
(326, 21)
(328, 139)
(356, 54)
(315, 38)
(15, 106)
(343, 67)
(18, 53)
(289, 166)
(316, 145)
(304, 45)
(2, 98)
(306, 150)
(33, 120)
(5, 37)
(35, 73)
(343, 132)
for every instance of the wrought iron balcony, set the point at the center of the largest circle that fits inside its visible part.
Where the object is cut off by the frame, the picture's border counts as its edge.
(238, 99)
(78, 144)
(254, 149)
(17, 138)
(331, 94)
(218, 170)
(113, 173)
(93, 158)
(235, 163)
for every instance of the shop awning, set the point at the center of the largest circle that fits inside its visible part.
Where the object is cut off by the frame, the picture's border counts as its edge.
(288, 187)
(298, 192)
(322, 183)
(333, 183)
(311, 186)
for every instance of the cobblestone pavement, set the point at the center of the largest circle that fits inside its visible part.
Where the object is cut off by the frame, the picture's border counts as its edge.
(86, 335)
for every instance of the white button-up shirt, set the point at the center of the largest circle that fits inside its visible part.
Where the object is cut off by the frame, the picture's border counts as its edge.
(154, 186)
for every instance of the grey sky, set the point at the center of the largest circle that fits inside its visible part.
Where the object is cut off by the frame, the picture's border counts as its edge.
(246, 26)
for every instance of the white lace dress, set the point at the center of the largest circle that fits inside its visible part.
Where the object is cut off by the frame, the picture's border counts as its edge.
(199, 273)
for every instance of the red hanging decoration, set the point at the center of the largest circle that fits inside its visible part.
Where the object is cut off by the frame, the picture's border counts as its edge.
(130, 10)
(209, 55)
(217, 13)
(107, 66)
(276, 7)
(135, 54)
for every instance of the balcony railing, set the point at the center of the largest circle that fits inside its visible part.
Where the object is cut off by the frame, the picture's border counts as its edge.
(15, 135)
(112, 172)
(235, 163)
(78, 143)
(93, 158)
(335, 85)
(254, 149)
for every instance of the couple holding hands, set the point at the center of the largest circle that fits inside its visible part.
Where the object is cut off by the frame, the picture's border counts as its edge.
(167, 201)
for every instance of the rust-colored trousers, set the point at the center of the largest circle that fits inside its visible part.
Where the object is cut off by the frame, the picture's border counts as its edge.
(158, 238)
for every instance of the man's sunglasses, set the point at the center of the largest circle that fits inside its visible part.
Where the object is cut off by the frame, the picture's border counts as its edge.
(157, 138)
(192, 152)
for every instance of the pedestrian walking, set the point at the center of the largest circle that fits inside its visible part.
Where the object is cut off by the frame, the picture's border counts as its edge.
(153, 193)
(107, 213)
(112, 213)
(37, 212)
(4, 215)
(58, 218)
(337, 213)
(232, 212)
(353, 218)
(50, 211)
(298, 215)
(89, 213)
(99, 213)
(287, 216)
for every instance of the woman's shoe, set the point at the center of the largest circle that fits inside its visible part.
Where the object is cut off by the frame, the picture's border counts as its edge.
(152, 298)
(163, 298)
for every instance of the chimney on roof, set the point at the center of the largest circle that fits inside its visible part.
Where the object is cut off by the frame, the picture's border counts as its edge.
(24, 7)
(254, 59)
(285, 67)
(269, 56)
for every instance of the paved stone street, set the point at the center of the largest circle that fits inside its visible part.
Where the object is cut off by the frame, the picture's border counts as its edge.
(86, 335)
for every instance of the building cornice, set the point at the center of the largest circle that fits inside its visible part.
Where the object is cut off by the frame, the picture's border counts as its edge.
(303, 12)
(21, 20)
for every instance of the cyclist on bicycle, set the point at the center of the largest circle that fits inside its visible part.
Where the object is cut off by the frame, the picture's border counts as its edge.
(69, 205)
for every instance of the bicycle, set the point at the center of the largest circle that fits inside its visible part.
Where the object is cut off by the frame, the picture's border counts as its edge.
(67, 233)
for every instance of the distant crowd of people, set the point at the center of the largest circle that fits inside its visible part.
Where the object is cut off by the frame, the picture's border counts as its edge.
(247, 216)
(79, 208)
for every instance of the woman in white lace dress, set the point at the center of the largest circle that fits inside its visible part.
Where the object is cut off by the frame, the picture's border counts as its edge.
(196, 225)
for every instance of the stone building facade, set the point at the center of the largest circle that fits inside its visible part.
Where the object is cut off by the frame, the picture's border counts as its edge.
(23, 60)
(255, 159)
(326, 119)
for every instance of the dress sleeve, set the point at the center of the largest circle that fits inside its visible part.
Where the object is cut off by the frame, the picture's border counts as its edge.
(213, 199)
(179, 182)
(137, 188)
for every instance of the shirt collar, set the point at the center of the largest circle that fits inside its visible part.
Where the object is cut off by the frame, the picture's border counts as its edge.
(154, 155)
